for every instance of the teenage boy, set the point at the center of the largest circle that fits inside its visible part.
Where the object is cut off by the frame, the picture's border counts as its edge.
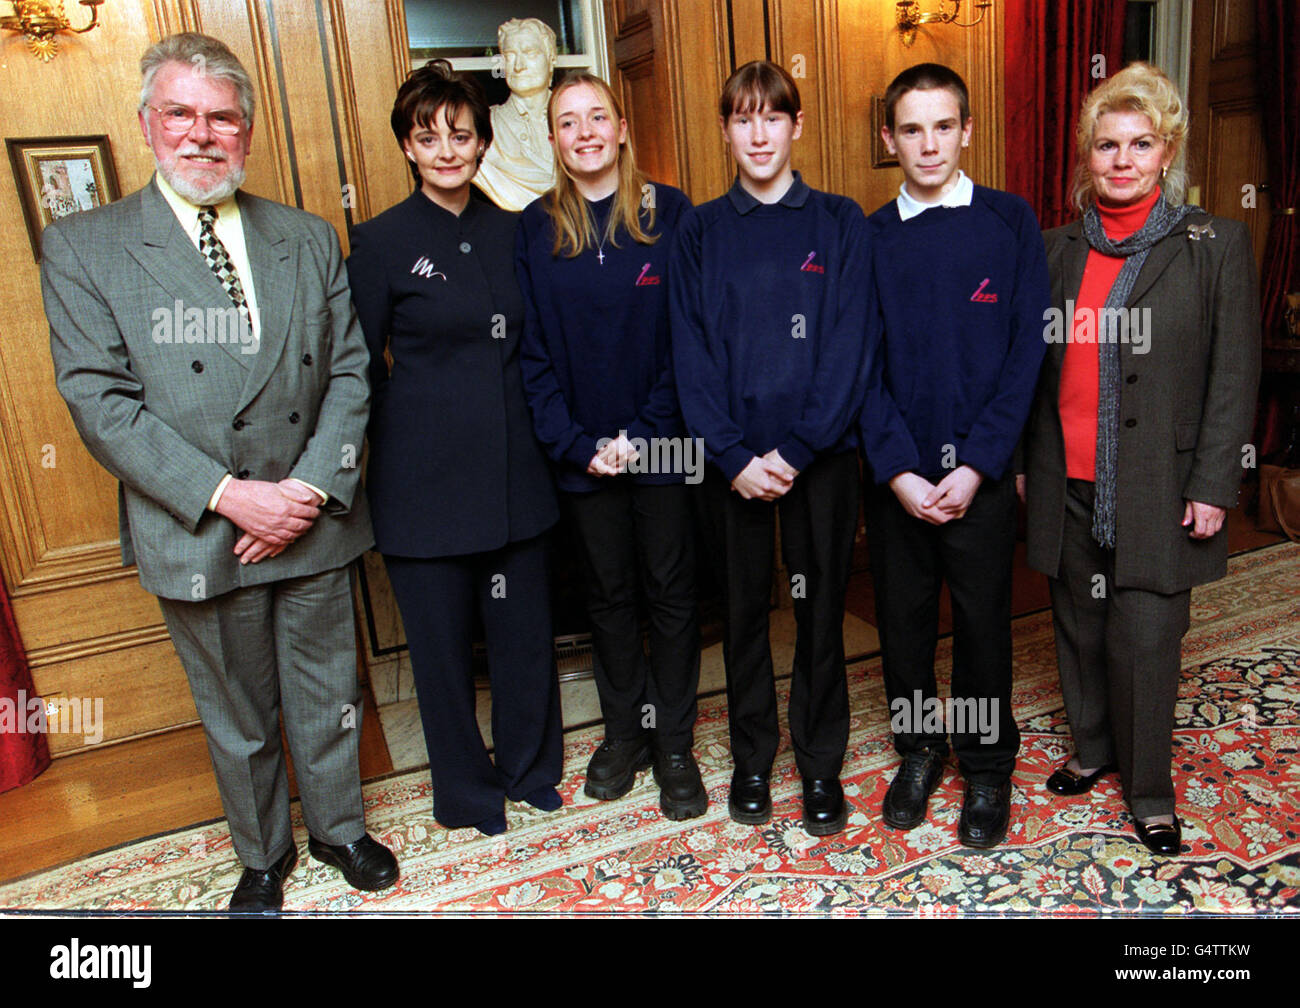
(961, 279)
(769, 295)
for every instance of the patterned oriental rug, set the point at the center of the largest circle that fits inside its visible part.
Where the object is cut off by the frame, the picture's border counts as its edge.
(1236, 773)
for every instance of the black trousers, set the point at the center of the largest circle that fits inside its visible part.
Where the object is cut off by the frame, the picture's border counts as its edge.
(818, 521)
(910, 560)
(642, 535)
(1119, 651)
(511, 591)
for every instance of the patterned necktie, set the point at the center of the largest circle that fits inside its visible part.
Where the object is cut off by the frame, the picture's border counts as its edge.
(218, 260)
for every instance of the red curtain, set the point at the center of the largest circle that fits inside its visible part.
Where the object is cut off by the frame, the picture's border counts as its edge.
(23, 754)
(1279, 88)
(1050, 61)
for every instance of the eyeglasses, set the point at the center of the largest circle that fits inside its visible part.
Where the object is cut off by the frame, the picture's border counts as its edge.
(179, 119)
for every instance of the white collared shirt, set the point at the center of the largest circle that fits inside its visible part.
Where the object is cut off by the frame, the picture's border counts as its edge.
(961, 194)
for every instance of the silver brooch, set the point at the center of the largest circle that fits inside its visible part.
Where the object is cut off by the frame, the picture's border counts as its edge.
(1195, 231)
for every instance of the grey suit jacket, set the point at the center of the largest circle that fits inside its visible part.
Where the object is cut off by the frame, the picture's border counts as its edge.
(1187, 405)
(169, 413)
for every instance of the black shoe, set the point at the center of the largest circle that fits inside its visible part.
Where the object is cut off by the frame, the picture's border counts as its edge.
(1161, 838)
(681, 791)
(1066, 782)
(366, 864)
(909, 792)
(750, 801)
(263, 891)
(824, 811)
(985, 814)
(614, 766)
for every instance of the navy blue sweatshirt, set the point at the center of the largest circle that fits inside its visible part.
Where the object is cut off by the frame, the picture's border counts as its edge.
(771, 328)
(962, 291)
(595, 352)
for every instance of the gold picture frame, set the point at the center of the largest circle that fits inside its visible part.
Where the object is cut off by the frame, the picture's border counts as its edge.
(880, 156)
(58, 176)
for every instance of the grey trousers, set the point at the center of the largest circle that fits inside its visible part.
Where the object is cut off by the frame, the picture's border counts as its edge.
(250, 653)
(1119, 651)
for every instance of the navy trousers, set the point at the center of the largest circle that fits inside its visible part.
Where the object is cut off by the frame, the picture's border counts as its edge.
(510, 590)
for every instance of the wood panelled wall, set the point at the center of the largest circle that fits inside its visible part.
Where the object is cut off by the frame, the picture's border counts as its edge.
(1226, 150)
(326, 72)
(842, 53)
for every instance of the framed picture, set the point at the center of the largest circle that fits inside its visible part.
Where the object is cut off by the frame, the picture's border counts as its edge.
(58, 176)
(880, 156)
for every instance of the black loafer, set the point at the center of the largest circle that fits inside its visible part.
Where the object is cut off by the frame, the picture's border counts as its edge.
(750, 801)
(1161, 838)
(824, 811)
(366, 863)
(909, 792)
(985, 814)
(681, 791)
(263, 891)
(613, 768)
(1065, 781)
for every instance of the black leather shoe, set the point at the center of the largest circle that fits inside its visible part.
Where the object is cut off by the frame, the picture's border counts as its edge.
(1066, 782)
(750, 801)
(1161, 838)
(824, 811)
(681, 791)
(366, 864)
(985, 814)
(909, 792)
(263, 891)
(614, 766)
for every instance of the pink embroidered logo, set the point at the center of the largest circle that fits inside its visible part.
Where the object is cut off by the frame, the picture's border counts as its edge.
(811, 267)
(644, 280)
(979, 294)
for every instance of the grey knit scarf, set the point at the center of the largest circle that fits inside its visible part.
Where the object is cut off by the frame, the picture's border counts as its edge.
(1162, 219)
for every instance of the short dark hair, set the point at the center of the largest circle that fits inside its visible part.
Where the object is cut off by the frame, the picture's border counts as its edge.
(756, 85)
(437, 86)
(926, 77)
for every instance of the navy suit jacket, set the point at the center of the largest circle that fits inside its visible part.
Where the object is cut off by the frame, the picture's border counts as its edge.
(454, 465)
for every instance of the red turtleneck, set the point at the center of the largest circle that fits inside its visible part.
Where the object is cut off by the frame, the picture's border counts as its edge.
(1078, 400)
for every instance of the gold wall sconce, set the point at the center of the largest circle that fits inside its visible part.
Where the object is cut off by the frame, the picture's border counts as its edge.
(42, 21)
(910, 17)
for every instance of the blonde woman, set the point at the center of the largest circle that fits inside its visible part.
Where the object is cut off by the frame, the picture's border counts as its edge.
(1133, 449)
(592, 258)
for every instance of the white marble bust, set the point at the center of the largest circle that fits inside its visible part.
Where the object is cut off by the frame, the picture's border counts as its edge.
(520, 164)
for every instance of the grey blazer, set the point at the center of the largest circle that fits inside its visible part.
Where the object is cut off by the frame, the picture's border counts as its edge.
(170, 418)
(1187, 405)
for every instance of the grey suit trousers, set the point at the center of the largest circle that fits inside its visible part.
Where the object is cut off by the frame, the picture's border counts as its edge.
(1119, 651)
(250, 653)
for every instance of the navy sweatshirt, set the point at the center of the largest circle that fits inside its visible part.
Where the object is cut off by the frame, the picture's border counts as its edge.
(962, 291)
(595, 352)
(771, 328)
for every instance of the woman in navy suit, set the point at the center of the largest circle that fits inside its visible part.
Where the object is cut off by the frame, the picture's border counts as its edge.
(459, 489)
